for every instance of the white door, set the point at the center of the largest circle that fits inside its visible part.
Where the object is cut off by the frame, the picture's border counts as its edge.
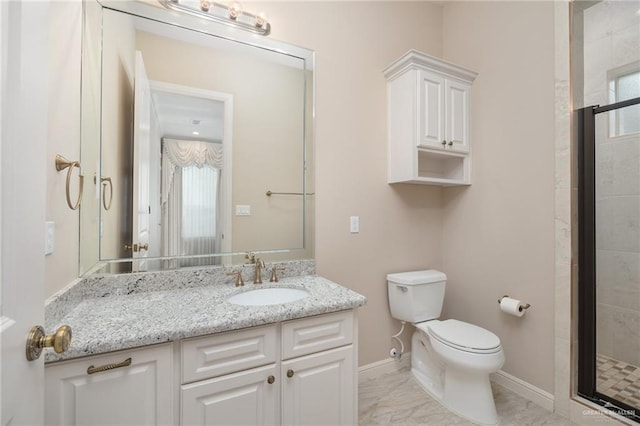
(124, 388)
(249, 397)
(318, 389)
(457, 115)
(431, 111)
(24, 28)
(141, 164)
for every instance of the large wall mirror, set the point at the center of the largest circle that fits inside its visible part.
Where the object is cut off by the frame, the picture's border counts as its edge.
(196, 142)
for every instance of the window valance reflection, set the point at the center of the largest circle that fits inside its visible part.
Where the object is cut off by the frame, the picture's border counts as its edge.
(190, 200)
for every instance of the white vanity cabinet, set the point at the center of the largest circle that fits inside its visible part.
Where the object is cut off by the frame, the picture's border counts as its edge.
(133, 387)
(428, 108)
(294, 373)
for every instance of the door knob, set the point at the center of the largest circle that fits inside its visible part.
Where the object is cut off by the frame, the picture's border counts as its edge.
(37, 340)
(136, 247)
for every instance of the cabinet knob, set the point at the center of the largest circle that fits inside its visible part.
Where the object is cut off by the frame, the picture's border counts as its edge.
(450, 143)
(444, 143)
(271, 379)
(289, 373)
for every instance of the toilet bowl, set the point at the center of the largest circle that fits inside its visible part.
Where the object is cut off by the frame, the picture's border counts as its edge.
(450, 359)
(465, 388)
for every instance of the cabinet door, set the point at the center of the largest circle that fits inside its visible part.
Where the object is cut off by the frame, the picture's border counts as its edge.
(457, 115)
(135, 394)
(243, 398)
(321, 389)
(431, 110)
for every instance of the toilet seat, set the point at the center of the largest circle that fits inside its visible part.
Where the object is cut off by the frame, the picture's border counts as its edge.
(462, 336)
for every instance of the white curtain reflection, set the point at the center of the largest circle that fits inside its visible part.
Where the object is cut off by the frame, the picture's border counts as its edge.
(190, 193)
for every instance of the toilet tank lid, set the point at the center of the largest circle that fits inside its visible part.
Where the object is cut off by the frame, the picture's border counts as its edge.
(417, 277)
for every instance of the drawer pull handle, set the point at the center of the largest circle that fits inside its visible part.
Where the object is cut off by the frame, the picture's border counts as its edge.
(107, 367)
(289, 373)
(271, 379)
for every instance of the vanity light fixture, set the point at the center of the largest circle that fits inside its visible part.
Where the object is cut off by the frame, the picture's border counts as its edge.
(231, 15)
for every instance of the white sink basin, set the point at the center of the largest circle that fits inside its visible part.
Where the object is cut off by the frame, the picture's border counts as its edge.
(268, 296)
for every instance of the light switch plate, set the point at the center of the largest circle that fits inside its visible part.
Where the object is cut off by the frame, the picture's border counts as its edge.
(354, 224)
(243, 210)
(49, 238)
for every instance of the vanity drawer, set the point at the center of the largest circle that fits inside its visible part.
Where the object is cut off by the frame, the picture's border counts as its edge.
(314, 334)
(212, 356)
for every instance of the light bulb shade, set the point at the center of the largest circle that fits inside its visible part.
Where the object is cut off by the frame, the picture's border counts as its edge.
(261, 20)
(235, 10)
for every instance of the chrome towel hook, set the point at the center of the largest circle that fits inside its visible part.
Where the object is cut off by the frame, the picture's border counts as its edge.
(61, 164)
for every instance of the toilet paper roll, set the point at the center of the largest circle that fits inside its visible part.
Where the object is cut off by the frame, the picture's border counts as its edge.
(511, 306)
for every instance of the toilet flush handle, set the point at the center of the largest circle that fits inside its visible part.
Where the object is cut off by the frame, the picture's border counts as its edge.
(402, 288)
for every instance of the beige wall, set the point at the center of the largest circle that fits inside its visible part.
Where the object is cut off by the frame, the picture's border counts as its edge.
(400, 225)
(64, 136)
(492, 238)
(498, 234)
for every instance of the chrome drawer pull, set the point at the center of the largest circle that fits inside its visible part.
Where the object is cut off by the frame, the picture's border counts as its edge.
(92, 369)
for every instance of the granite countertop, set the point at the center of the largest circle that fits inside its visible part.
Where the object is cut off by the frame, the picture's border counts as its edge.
(116, 322)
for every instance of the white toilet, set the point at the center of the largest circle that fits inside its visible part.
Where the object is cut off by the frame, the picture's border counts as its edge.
(451, 359)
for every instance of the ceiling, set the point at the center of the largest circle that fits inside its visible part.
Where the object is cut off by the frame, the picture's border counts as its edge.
(189, 117)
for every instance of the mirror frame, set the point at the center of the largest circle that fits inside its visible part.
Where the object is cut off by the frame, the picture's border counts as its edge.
(90, 261)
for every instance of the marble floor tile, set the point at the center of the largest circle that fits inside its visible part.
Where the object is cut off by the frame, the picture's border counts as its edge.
(397, 399)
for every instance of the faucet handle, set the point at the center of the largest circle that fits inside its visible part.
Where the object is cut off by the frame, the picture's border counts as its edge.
(239, 280)
(274, 273)
(251, 256)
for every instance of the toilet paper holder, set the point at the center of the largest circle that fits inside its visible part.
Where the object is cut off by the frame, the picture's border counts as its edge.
(524, 306)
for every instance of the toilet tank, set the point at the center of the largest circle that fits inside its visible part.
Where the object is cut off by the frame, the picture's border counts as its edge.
(416, 296)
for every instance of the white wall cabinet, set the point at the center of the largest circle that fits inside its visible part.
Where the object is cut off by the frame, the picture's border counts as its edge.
(135, 393)
(428, 108)
(299, 372)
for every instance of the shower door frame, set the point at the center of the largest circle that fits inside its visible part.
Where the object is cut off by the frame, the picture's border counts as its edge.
(586, 138)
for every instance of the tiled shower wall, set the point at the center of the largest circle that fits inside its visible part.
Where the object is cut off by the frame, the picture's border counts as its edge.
(612, 40)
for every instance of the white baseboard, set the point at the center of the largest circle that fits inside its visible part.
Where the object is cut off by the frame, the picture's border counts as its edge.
(524, 389)
(389, 365)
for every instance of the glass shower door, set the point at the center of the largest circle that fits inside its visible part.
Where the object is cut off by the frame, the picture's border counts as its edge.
(609, 259)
